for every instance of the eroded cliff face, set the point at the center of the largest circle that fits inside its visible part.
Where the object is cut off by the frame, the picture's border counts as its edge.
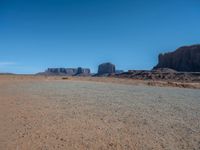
(186, 59)
(106, 68)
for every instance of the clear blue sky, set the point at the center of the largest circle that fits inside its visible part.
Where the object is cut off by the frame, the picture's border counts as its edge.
(37, 34)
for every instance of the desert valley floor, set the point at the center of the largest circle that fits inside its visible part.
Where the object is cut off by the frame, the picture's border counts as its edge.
(49, 114)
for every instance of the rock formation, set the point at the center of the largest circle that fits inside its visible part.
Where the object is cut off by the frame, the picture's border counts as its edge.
(106, 68)
(184, 59)
(164, 74)
(82, 71)
(68, 71)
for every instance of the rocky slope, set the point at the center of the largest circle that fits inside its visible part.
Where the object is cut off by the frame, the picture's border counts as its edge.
(163, 74)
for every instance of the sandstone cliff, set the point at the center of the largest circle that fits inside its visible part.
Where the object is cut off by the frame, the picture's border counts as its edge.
(185, 59)
(106, 68)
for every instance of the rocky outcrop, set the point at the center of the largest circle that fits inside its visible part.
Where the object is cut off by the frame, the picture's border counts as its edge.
(68, 71)
(106, 68)
(185, 59)
(82, 71)
(163, 74)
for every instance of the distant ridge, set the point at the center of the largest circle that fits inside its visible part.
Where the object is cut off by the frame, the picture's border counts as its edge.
(7, 74)
(67, 72)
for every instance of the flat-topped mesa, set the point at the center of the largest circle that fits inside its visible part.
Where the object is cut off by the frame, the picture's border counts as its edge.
(184, 59)
(82, 71)
(61, 71)
(68, 71)
(106, 68)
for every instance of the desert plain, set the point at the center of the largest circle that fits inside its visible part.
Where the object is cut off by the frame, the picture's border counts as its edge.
(50, 113)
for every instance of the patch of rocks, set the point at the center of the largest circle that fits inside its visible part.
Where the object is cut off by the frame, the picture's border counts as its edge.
(161, 74)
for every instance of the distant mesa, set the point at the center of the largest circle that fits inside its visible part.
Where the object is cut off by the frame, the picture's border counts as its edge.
(82, 71)
(106, 68)
(181, 65)
(184, 59)
(67, 71)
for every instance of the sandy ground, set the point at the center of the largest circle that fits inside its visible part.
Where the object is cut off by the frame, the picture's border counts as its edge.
(47, 113)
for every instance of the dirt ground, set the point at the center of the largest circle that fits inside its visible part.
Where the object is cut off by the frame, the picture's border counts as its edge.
(48, 113)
